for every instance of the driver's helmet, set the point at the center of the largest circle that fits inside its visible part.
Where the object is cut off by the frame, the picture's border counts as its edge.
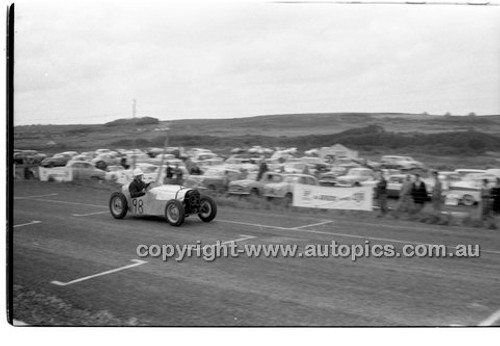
(137, 172)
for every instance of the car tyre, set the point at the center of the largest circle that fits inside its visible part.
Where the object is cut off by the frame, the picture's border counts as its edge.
(208, 209)
(175, 213)
(468, 200)
(118, 205)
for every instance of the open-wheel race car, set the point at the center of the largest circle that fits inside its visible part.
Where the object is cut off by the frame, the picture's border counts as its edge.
(174, 202)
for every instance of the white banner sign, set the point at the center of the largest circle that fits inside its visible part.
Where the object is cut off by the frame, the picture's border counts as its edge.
(324, 197)
(58, 174)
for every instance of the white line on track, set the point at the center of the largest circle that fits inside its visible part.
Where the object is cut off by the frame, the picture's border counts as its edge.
(27, 224)
(66, 202)
(89, 214)
(491, 319)
(244, 237)
(314, 224)
(137, 263)
(24, 197)
(342, 235)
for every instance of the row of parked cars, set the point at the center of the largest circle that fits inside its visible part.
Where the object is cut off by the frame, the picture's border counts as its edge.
(237, 174)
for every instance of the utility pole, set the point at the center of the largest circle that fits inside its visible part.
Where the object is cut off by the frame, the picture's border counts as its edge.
(166, 129)
(134, 155)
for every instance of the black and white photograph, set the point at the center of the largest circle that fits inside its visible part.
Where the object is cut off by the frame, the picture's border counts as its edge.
(253, 164)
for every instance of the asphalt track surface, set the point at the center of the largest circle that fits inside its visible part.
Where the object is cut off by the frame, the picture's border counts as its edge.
(76, 237)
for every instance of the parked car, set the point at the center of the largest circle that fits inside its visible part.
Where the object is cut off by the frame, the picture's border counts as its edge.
(465, 171)
(79, 157)
(113, 172)
(328, 179)
(449, 178)
(400, 162)
(58, 160)
(394, 184)
(468, 191)
(21, 155)
(85, 170)
(284, 189)
(102, 151)
(70, 154)
(215, 179)
(250, 185)
(356, 177)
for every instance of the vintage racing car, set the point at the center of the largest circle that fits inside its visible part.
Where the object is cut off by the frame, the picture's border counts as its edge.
(174, 202)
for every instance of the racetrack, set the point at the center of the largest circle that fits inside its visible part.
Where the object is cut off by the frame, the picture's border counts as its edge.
(76, 237)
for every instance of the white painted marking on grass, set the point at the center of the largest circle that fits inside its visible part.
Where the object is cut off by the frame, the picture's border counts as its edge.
(137, 263)
(18, 323)
(344, 235)
(89, 214)
(314, 224)
(27, 224)
(245, 237)
(25, 197)
(491, 319)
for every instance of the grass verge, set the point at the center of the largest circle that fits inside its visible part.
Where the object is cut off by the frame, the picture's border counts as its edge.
(37, 308)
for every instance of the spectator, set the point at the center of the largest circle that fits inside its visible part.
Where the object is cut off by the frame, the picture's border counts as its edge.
(177, 175)
(27, 164)
(437, 191)
(169, 174)
(123, 163)
(485, 200)
(306, 170)
(195, 170)
(495, 197)
(381, 195)
(262, 169)
(226, 181)
(405, 197)
(419, 194)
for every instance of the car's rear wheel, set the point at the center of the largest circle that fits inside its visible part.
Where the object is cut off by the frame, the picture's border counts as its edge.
(468, 200)
(255, 192)
(175, 213)
(208, 209)
(118, 205)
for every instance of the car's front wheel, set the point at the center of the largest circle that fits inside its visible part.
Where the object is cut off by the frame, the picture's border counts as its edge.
(468, 200)
(118, 205)
(208, 209)
(175, 213)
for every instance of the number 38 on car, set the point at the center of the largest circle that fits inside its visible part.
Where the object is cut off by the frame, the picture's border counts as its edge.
(174, 202)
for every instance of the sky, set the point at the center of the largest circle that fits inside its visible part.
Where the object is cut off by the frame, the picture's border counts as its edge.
(86, 61)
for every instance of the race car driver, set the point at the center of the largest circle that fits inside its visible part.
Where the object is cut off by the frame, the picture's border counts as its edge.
(137, 187)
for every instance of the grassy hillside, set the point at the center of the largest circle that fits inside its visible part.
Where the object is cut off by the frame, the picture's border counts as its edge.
(291, 125)
(462, 138)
